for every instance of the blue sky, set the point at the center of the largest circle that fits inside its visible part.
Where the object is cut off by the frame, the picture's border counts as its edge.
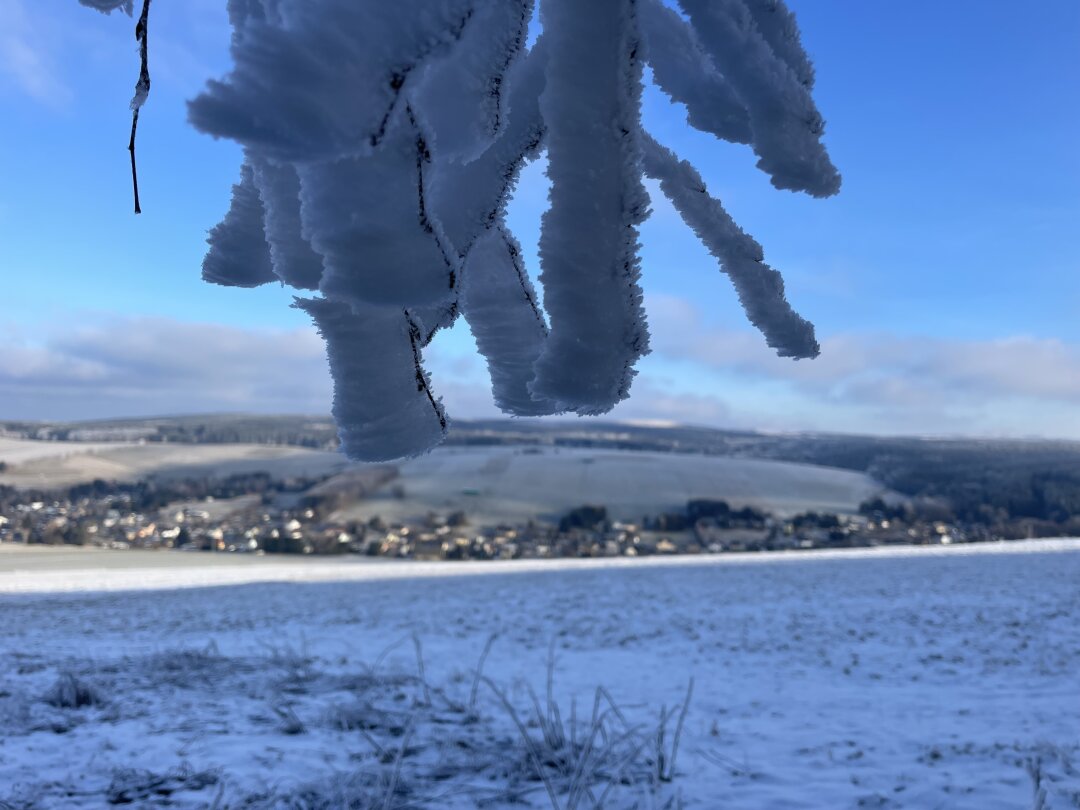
(944, 279)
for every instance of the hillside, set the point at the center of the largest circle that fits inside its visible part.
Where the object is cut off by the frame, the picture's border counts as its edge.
(504, 483)
(54, 464)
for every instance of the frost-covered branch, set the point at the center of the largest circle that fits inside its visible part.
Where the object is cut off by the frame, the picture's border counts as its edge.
(588, 244)
(368, 217)
(760, 288)
(460, 97)
(382, 142)
(470, 197)
(777, 26)
(501, 308)
(321, 79)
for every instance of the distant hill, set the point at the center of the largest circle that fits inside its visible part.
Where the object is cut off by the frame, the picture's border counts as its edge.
(496, 484)
(980, 479)
(294, 430)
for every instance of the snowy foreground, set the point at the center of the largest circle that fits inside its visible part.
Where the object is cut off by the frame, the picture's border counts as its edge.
(944, 678)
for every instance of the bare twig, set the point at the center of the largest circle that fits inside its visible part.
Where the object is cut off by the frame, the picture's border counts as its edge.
(142, 90)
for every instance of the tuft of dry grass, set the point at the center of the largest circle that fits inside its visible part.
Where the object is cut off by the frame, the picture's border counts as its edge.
(431, 749)
(584, 764)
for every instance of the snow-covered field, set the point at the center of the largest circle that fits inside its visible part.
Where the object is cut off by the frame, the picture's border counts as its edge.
(920, 678)
(21, 451)
(55, 464)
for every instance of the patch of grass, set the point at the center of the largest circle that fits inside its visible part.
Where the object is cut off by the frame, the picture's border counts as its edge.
(429, 749)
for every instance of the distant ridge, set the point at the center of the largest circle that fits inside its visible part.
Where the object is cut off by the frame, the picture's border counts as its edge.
(980, 478)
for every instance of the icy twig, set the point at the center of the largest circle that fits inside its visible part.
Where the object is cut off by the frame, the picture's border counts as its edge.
(142, 90)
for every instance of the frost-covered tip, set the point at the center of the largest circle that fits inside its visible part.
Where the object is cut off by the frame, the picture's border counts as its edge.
(239, 255)
(759, 287)
(588, 244)
(107, 6)
(293, 259)
(683, 70)
(787, 126)
(500, 306)
(383, 403)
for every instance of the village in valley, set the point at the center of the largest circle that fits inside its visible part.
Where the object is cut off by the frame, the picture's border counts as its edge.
(257, 514)
(511, 490)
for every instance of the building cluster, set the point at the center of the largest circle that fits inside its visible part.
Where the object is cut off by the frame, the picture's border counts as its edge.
(111, 521)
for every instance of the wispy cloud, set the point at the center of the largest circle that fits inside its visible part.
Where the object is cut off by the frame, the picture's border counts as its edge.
(151, 365)
(26, 58)
(1015, 384)
(876, 367)
(699, 374)
(146, 366)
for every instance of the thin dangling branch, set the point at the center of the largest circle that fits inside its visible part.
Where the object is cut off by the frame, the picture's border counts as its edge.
(142, 90)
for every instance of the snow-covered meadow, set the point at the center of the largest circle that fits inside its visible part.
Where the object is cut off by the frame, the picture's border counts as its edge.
(916, 678)
(50, 464)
